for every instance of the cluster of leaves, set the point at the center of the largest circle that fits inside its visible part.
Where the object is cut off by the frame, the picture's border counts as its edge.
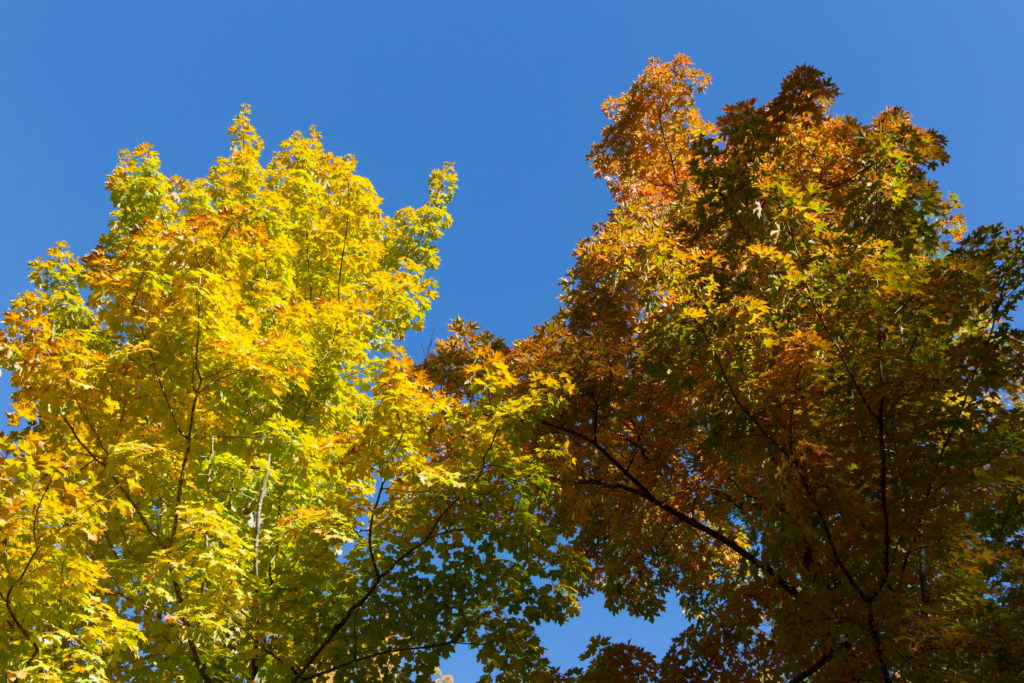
(782, 391)
(225, 467)
(798, 406)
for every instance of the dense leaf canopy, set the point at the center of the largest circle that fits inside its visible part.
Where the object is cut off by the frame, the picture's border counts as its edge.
(798, 401)
(782, 394)
(225, 468)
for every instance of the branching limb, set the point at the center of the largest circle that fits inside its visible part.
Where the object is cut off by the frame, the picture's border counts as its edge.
(643, 492)
(804, 482)
(300, 672)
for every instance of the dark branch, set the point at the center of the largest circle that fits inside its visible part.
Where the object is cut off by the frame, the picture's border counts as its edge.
(641, 490)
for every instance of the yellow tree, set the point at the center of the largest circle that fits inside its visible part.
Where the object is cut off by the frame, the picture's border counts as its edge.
(222, 467)
(798, 400)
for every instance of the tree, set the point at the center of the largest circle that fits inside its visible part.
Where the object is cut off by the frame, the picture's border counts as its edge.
(222, 465)
(797, 399)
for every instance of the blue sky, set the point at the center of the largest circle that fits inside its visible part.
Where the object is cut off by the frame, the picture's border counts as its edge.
(508, 91)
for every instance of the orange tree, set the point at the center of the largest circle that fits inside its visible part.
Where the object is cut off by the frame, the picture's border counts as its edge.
(797, 401)
(221, 465)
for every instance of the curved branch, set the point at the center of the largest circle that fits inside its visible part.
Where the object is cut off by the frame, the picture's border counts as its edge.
(820, 663)
(641, 490)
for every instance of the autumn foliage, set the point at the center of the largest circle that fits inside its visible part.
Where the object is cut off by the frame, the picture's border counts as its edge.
(782, 394)
(798, 400)
(226, 470)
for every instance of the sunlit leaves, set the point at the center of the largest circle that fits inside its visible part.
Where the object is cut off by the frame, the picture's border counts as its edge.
(797, 393)
(224, 467)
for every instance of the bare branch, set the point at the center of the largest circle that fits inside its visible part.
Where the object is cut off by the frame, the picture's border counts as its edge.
(259, 520)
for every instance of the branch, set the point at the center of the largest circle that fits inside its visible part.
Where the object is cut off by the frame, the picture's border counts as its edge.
(454, 640)
(743, 407)
(643, 492)
(120, 485)
(193, 650)
(88, 451)
(259, 520)
(209, 464)
(877, 639)
(883, 485)
(196, 390)
(922, 575)
(254, 666)
(85, 418)
(609, 485)
(369, 531)
(340, 624)
(671, 156)
(163, 393)
(820, 663)
(256, 642)
(24, 571)
(10, 607)
(808, 490)
(182, 470)
(842, 357)
(138, 511)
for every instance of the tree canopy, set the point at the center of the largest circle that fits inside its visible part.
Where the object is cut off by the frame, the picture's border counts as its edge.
(782, 395)
(226, 469)
(798, 394)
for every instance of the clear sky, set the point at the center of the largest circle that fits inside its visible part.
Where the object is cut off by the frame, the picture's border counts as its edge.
(510, 92)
